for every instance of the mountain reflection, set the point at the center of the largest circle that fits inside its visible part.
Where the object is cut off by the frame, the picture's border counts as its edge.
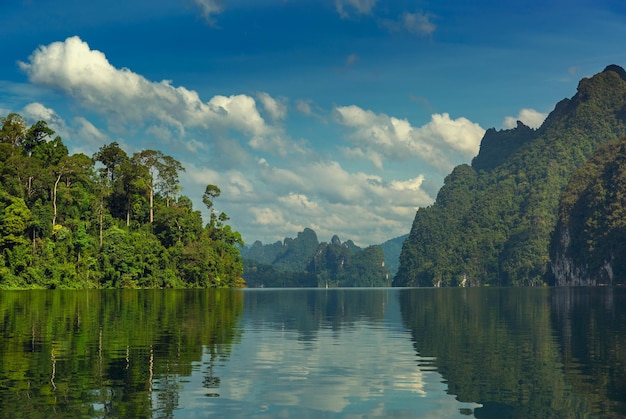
(308, 310)
(524, 352)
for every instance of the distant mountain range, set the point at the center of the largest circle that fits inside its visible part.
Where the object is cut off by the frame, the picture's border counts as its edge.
(305, 262)
(493, 221)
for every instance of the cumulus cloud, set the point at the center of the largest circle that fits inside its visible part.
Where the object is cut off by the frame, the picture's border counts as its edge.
(268, 216)
(298, 202)
(529, 117)
(344, 7)
(378, 137)
(417, 23)
(237, 141)
(38, 111)
(309, 108)
(88, 137)
(329, 198)
(274, 108)
(278, 201)
(234, 184)
(125, 97)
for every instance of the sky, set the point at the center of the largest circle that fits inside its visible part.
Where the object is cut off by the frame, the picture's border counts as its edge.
(343, 116)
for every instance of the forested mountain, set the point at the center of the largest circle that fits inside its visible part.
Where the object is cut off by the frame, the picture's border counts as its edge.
(305, 262)
(391, 249)
(589, 244)
(107, 221)
(492, 221)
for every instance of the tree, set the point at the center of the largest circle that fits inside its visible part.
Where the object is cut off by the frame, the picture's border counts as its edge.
(69, 168)
(162, 173)
(111, 156)
(210, 193)
(14, 222)
(13, 129)
(35, 136)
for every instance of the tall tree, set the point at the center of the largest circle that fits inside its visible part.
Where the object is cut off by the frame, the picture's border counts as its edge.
(36, 135)
(162, 173)
(13, 129)
(70, 168)
(111, 156)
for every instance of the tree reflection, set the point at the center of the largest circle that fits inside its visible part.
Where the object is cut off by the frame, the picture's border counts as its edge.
(108, 353)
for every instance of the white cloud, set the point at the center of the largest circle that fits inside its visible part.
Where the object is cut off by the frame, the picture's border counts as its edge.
(325, 196)
(379, 136)
(81, 136)
(344, 7)
(267, 216)
(237, 141)
(309, 108)
(209, 8)
(234, 184)
(86, 138)
(298, 202)
(195, 146)
(274, 108)
(36, 111)
(127, 98)
(416, 23)
(529, 117)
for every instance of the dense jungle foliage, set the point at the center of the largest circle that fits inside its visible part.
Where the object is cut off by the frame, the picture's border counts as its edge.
(106, 221)
(305, 262)
(589, 244)
(492, 221)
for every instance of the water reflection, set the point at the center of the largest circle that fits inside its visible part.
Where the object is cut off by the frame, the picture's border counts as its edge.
(314, 353)
(524, 352)
(325, 353)
(112, 353)
(591, 327)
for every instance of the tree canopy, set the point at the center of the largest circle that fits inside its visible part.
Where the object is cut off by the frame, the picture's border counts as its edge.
(106, 221)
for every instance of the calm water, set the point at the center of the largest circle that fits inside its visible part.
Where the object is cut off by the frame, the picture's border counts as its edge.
(425, 353)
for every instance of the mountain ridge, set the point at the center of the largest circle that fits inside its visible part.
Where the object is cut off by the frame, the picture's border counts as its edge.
(491, 222)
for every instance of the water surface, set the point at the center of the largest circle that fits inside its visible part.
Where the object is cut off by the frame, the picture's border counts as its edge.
(314, 353)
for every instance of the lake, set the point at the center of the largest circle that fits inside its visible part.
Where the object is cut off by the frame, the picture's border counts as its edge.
(314, 353)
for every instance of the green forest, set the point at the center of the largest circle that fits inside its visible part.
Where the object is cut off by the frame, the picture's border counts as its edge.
(493, 220)
(111, 220)
(305, 262)
(589, 243)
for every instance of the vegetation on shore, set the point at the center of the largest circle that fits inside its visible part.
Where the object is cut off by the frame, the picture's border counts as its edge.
(106, 221)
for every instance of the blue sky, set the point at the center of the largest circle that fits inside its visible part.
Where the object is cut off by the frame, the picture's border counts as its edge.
(339, 115)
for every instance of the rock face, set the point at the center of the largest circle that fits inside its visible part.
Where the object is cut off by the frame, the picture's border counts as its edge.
(589, 243)
(570, 272)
